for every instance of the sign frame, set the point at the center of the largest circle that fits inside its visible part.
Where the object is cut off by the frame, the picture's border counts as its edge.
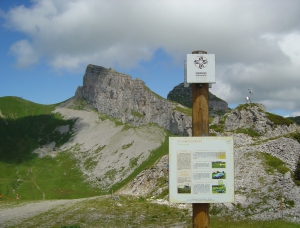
(201, 170)
(200, 68)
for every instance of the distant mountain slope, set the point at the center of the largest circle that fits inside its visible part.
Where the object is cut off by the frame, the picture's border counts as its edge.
(25, 129)
(107, 150)
(24, 126)
(183, 95)
(70, 147)
(295, 119)
(16, 107)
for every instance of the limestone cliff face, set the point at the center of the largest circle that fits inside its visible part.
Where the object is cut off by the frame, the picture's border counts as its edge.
(119, 96)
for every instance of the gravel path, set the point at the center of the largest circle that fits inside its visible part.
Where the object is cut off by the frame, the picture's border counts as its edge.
(10, 215)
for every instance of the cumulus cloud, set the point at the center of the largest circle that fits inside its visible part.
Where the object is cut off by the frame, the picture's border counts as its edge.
(255, 47)
(295, 114)
(25, 53)
(290, 45)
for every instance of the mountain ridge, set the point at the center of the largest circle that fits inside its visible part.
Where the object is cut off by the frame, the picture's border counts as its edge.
(112, 146)
(119, 96)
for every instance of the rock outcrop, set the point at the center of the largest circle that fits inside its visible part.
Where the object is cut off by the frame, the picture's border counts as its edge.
(255, 117)
(259, 185)
(119, 96)
(147, 181)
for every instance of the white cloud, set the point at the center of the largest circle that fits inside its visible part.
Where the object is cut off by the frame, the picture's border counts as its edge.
(81, 28)
(290, 45)
(297, 113)
(255, 47)
(25, 53)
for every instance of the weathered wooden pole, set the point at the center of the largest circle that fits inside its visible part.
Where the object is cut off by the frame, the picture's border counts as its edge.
(200, 127)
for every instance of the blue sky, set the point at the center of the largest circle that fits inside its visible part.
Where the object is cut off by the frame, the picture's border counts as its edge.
(47, 44)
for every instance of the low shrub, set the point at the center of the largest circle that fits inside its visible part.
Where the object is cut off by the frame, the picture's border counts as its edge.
(279, 120)
(217, 127)
(275, 163)
(247, 131)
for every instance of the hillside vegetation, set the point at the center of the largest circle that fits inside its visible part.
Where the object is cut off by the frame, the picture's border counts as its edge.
(71, 151)
(26, 127)
(296, 119)
(126, 212)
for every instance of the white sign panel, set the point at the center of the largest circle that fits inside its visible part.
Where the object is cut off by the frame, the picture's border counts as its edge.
(200, 68)
(201, 170)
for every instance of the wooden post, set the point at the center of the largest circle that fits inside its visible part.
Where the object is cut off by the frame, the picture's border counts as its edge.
(200, 127)
(281, 208)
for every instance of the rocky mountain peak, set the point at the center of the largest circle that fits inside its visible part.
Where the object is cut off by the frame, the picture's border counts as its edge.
(119, 96)
(183, 95)
(248, 116)
(254, 117)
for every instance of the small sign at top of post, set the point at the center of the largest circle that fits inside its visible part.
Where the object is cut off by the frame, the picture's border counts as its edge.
(200, 68)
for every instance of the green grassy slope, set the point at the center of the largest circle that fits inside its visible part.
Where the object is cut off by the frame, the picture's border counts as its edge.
(296, 119)
(133, 212)
(44, 178)
(15, 107)
(24, 126)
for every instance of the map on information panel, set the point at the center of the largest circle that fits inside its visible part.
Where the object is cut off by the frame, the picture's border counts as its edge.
(201, 170)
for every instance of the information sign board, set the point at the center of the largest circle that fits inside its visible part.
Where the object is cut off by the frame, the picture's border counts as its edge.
(200, 68)
(201, 170)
